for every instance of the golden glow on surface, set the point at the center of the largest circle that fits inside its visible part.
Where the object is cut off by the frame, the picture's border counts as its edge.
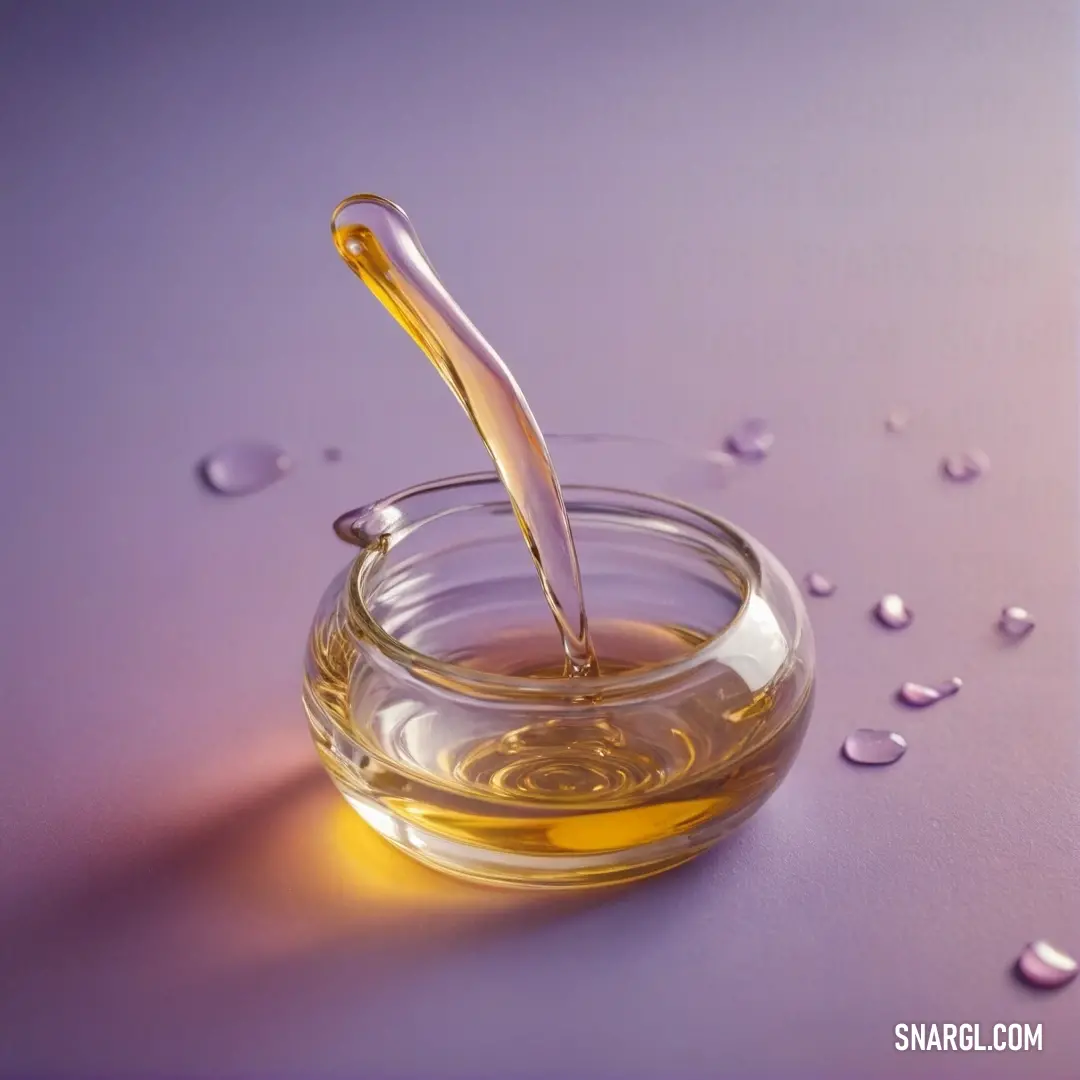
(283, 875)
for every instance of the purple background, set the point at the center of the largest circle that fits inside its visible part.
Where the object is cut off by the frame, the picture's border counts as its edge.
(666, 217)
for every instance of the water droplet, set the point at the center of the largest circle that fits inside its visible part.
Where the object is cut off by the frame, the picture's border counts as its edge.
(364, 526)
(332, 454)
(866, 746)
(965, 467)
(1041, 965)
(752, 440)
(892, 612)
(1016, 622)
(243, 468)
(819, 585)
(897, 421)
(918, 696)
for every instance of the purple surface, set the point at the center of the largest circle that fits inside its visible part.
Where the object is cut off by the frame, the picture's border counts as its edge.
(667, 218)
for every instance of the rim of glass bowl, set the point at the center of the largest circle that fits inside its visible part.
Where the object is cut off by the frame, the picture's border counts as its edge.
(377, 525)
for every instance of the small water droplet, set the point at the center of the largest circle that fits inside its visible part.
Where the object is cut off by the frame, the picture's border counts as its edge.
(332, 454)
(891, 611)
(965, 467)
(1045, 967)
(867, 746)
(1016, 622)
(243, 468)
(897, 421)
(751, 440)
(364, 526)
(819, 585)
(919, 696)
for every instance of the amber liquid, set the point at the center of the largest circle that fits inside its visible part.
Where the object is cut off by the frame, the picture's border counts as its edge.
(606, 782)
(376, 240)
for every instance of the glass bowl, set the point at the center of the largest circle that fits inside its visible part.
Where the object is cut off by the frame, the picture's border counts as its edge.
(436, 696)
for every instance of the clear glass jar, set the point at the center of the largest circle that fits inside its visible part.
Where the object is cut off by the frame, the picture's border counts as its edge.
(435, 692)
